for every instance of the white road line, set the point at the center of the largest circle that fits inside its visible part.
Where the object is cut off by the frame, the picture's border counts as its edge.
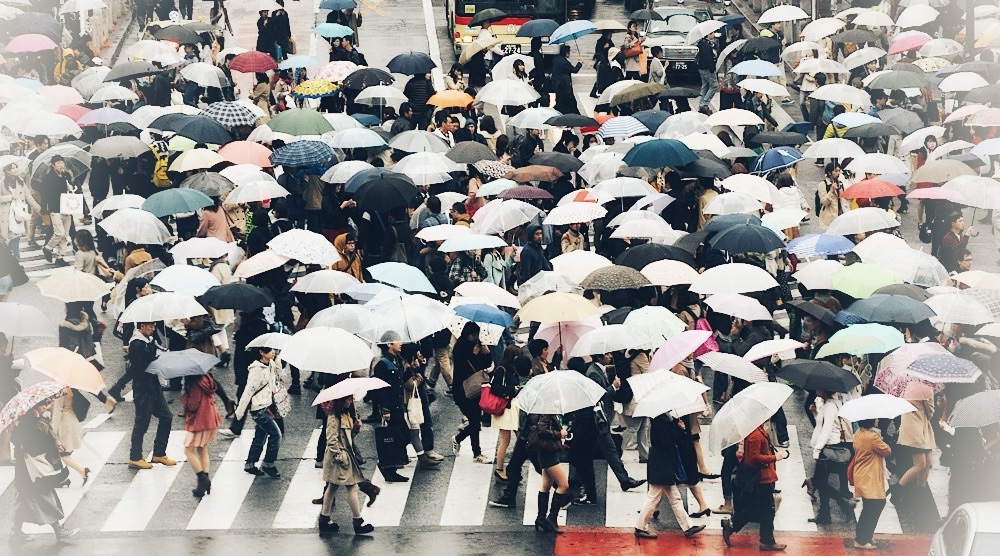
(230, 485)
(531, 496)
(297, 510)
(621, 507)
(97, 421)
(469, 487)
(433, 50)
(387, 511)
(796, 506)
(312, 36)
(146, 491)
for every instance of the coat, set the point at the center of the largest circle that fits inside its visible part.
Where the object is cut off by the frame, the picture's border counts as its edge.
(831, 205)
(532, 262)
(870, 452)
(339, 467)
(757, 453)
(915, 427)
(351, 264)
(639, 365)
(661, 468)
(198, 400)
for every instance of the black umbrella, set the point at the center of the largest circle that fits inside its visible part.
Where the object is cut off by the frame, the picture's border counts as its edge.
(366, 77)
(489, 14)
(238, 296)
(778, 138)
(411, 63)
(704, 168)
(856, 36)
(168, 122)
(691, 242)
(538, 28)
(764, 48)
(726, 221)
(641, 255)
(131, 70)
(679, 92)
(821, 314)
(898, 309)
(384, 191)
(202, 129)
(34, 22)
(561, 161)
(572, 120)
(818, 375)
(646, 15)
(179, 34)
(470, 152)
(747, 238)
(990, 93)
(616, 316)
(652, 119)
(212, 184)
(871, 131)
(909, 290)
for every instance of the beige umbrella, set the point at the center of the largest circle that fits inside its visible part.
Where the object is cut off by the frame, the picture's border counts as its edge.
(260, 263)
(557, 307)
(940, 171)
(475, 47)
(66, 366)
(69, 284)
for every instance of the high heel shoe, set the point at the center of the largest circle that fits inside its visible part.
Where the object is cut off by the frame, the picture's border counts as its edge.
(543, 524)
(86, 475)
(810, 489)
(703, 513)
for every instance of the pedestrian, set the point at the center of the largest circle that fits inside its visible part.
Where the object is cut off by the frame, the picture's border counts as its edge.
(418, 90)
(398, 369)
(604, 410)
(830, 203)
(561, 82)
(954, 242)
(533, 258)
(753, 499)
(706, 59)
(546, 439)
(469, 356)
(280, 32)
(831, 452)
(340, 466)
(54, 184)
(506, 383)
(632, 51)
(258, 399)
(16, 207)
(664, 473)
(201, 421)
(868, 478)
(636, 436)
(66, 428)
(916, 438)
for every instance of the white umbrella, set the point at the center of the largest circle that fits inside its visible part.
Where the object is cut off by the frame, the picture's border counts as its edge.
(533, 118)
(342, 171)
(355, 138)
(205, 75)
(90, 80)
(703, 29)
(402, 276)
(352, 318)
(603, 166)
(504, 68)
(738, 305)
(507, 92)
(648, 228)
(838, 92)
(350, 387)
(834, 147)
(957, 308)
(611, 338)
(615, 88)
(115, 202)
(17, 320)
(764, 86)
(327, 350)
(707, 142)
(733, 365)
(669, 273)
(793, 52)
(862, 220)
(818, 275)
(863, 56)
(940, 47)
(916, 15)
(577, 265)
(727, 51)
(783, 218)
(409, 318)
(733, 117)
(782, 13)
(821, 65)
(381, 95)
(544, 282)
(304, 246)
(162, 306)
(679, 126)
(751, 185)
(500, 215)
(558, 393)
(255, 192)
(274, 340)
(471, 242)
(268, 259)
(624, 187)
(871, 246)
(184, 278)
(979, 191)
(913, 266)
(877, 163)
(962, 81)
(732, 203)
(152, 51)
(200, 248)
(46, 123)
(874, 406)
(495, 187)
(767, 348)
(672, 394)
(490, 292)
(873, 18)
(325, 281)
(135, 226)
(951, 147)
(656, 321)
(69, 284)
(442, 232)
(822, 27)
(733, 278)
(113, 93)
(748, 409)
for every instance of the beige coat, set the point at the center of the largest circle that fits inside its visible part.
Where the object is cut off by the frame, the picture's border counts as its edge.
(831, 205)
(915, 427)
(639, 366)
(338, 464)
(870, 452)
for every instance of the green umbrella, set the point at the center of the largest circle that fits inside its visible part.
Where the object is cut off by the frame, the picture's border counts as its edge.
(898, 79)
(860, 339)
(300, 122)
(860, 280)
(176, 201)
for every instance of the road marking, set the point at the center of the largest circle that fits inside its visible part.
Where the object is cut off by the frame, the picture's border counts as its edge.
(312, 36)
(796, 506)
(388, 508)
(230, 487)
(97, 421)
(531, 490)
(372, 6)
(433, 50)
(621, 507)
(146, 491)
(469, 486)
(297, 510)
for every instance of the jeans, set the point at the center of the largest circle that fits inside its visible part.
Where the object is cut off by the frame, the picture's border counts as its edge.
(709, 87)
(15, 247)
(871, 509)
(148, 404)
(440, 364)
(267, 429)
(470, 409)
(766, 519)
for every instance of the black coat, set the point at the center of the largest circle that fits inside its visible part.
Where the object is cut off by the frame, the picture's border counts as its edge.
(663, 440)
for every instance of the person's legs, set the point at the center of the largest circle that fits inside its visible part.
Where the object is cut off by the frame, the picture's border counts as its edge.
(273, 437)
(654, 494)
(503, 441)
(728, 467)
(642, 438)
(162, 413)
(766, 492)
(919, 470)
(610, 451)
(5, 455)
(60, 227)
(140, 426)
(871, 509)
(190, 452)
(699, 497)
(443, 358)
(257, 444)
(74, 465)
(676, 506)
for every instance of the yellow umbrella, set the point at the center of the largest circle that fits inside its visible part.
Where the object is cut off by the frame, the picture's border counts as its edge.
(451, 99)
(66, 366)
(69, 284)
(314, 88)
(557, 307)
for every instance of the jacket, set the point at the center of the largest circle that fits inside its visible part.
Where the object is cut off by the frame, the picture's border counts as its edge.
(915, 427)
(661, 468)
(757, 453)
(141, 352)
(831, 205)
(870, 452)
(390, 370)
(706, 56)
(599, 375)
(198, 400)
(50, 187)
(339, 467)
(465, 268)
(533, 261)
(400, 125)
(829, 428)
(350, 264)
(259, 391)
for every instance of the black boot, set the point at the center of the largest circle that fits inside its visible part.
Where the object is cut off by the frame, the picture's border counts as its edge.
(362, 528)
(326, 526)
(370, 490)
(507, 500)
(559, 501)
(203, 485)
(543, 505)
(392, 476)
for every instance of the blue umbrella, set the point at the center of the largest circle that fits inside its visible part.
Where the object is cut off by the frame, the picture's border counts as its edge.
(174, 364)
(365, 119)
(659, 153)
(538, 28)
(403, 276)
(572, 30)
(812, 245)
(330, 30)
(848, 318)
(775, 159)
(732, 20)
(652, 119)
(32, 84)
(761, 68)
(338, 5)
(479, 312)
(300, 61)
(302, 153)
(176, 201)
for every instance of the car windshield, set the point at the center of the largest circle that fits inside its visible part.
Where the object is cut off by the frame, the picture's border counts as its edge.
(986, 544)
(677, 23)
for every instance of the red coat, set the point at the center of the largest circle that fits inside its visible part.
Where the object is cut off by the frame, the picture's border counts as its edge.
(757, 452)
(199, 405)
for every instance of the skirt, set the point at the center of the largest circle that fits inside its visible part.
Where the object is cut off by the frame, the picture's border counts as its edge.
(508, 420)
(199, 439)
(543, 460)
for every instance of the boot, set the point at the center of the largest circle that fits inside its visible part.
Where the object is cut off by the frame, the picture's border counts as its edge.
(202, 487)
(371, 491)
(326, 526)
(559, 501)
(543, 504)
(362, 528)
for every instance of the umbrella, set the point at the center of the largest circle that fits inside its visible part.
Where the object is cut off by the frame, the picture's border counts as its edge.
(871, 189)
(870, 131)
(898, 80)
(238, 296)
(471, 242)
(733, 365)
(303, 153)
(537, 28)
(673, 393)
(116, 202)
(782, 13)
(813, 245)
(230, 114)
(133, 69)
(176, 364)
(944, 367)
(640, 256)
(862, 220)
(732, 203)
(756, 67)
(737, 305)
(733, 117)
(482, 16)
(977, 191)
(912, 266)
(330, 30)
(909, 290)
(898, 309)
(451, 99)
(702, 30)
(678, 348)
(179, 34)
(558, 393)
(69, 284)
(490, 292)
(343, 171)
(176, 201)
(507, 92)
(25, 400)
(978, 279)
(821, 314)
(747, 238)
(658, 153)
(657, 321)
(135, 226)
(315, 88)
(500, 215)
(416, 141)
(878, 163)
(103, 116)
(408, 318)
(957, 308)
(187, 279)
(746, 411)
(534, 172)
(411, 63)
(775, 159)
(572, 120)
(482, 313)
(976, 411)
(893, 378)
(575, 212)
(442, 232)
(816, 274)
(381, 95)
(561, 161)
(304, 246)
(255, 192)
(325, 281)
(200, 248)
(572, 30)
(162, 306)
(67, 367)
(525, 192)
(558, 306)
(860, 280)
(327, 350)
(211, 184)
(767, 348)
(349, 387)
(24, 320)
(941, 171)
(401, 275)
(352, 318)
(874, 406)
(615, 277)
(656, 229)
(635, 92)
(30, 42)
(860, 339)
(385, 190)
(253, 61)
(818, 375)
(195, 159)
(297, 121)
(668, 273)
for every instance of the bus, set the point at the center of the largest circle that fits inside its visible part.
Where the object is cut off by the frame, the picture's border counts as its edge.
(460, 12)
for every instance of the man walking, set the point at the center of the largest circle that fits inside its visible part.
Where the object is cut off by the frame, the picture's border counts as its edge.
(51, 188)
(597, 371)
(709, 78)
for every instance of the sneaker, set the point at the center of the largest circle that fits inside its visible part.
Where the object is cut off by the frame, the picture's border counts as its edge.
(164, 460)
(434, 455)
(139, 464)
(503, 502)
(455, 446)
(252, 469)
(776, 547)
(584, 501)
(481, 459)
(227, 432)
(318, 464)
(271, 472)
(64, 533)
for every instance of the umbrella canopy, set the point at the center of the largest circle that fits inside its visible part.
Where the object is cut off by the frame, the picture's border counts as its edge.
(483, 313)
(305, 153)
(860, 280)
(557, 307)
(862, 339)
(941, 171)
(40, 392)
(658, 153)
(470, 152)
(747, 238)
(558, 393)
(678, 348)
(67, 367)
(667, 273)
(737, 305)
(875, 406)
(818, 375)
(349, 387)
(404, 318)
(297, 121)
(471, 242)
(944, 367)
(897, 309)
(611, 338)
(255, 192)
(976, 411)
(746, 411)
(162, 306)
(238, 296)
(871, 189)
(561, 161)
(656, 321)
(69, 284)
(325, 281)
(24, 321)
(579, 264)
(640, 256)
(253, 61)
(823, 245)
(135, 226)
(175, 364)
(327, 350)
(732, 203)
(767, 348)
(507, 92)
(352, 318)
(862, 220)
(490, 292)
(187, 279)
(615, 277)
(385, 190)
(176, 201)
(572, 30)
(403, 276)
(575, 212)
(411, 63)
(525, 192)
(956, 308)
(673, 393)
(500, 215)
(231, 114)
(733, 365)
(305, 246)
(200, 248)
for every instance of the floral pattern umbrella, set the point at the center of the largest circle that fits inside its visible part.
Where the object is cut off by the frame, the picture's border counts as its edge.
(28, 398)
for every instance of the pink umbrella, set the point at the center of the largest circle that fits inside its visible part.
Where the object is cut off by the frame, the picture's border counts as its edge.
(61, 94)
(349, 387)
(73, 111)
(908, 40)
(936, 193)
(678, 348)
(32, 42)
(246, 152)
(892, 377)
(566, 334)
(964, 112)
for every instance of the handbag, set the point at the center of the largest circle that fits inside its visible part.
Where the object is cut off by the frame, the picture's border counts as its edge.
(291, 45)
(542, 443)
(280, 399)
(472, 385)
(490, 402)
(414, 409)
(390, 447)
(71, 203)
(635, 49)
(679, 472)
(836, 454)
(42, 471)
(17, 216)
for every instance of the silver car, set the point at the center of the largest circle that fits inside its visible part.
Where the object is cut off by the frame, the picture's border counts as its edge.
(972, 530)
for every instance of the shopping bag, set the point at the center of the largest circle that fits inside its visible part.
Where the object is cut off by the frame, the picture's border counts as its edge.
(71, 203)
(390, 447)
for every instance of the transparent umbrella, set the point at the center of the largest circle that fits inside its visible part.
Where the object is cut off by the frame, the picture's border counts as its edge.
(748, 409)
(558, 393)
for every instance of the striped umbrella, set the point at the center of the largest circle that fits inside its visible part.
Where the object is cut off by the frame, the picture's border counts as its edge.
(621, 127)
(314, 88)
(302, 153)
(977, 411)
(230, 114)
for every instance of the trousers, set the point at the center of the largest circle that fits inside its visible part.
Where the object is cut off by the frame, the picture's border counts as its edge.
(439, 364)
(147, 405)
(60, 230)
(871, 509)
(267, 431)
(764, 515)
(654, 495)
(607, 446)
(470, 409)
(709, 86)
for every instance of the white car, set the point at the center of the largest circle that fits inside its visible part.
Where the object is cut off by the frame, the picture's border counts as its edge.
(972, 530)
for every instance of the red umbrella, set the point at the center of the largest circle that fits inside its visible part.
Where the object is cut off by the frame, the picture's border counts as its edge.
(73, 111)
(253, 62)
(534, 173)
(525, 192)
(871, 189)
(32, 42)
(952, 195)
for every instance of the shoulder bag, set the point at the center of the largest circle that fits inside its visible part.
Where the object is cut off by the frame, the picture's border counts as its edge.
(42, 471)
(490, 402)
(472, 386)
(414, 409)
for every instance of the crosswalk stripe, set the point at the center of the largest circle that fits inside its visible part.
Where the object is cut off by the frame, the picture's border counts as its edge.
(469, 486)
(621, 506)
(97, 421)
(388, 509)
(6, 477)
(146, 491)
(297, 510)
(533, 484)
(796, 506)
(230, 485)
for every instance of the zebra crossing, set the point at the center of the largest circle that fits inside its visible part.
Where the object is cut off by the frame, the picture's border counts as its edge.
(35, 264)
(454, 494)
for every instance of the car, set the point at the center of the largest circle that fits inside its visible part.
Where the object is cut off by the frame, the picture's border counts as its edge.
(972, 530)
(671, 35)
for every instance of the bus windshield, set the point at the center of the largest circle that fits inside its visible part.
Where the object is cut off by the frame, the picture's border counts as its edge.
(551, 9)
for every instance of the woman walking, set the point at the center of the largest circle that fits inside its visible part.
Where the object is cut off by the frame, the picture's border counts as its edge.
(340, 468)
(870, 452)
(258, 399)
(201, 421)
(66, 428)
(469, 356)
(506, 383)
(663, 473)
(916, 437)
(831, 452)
(545, 441)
